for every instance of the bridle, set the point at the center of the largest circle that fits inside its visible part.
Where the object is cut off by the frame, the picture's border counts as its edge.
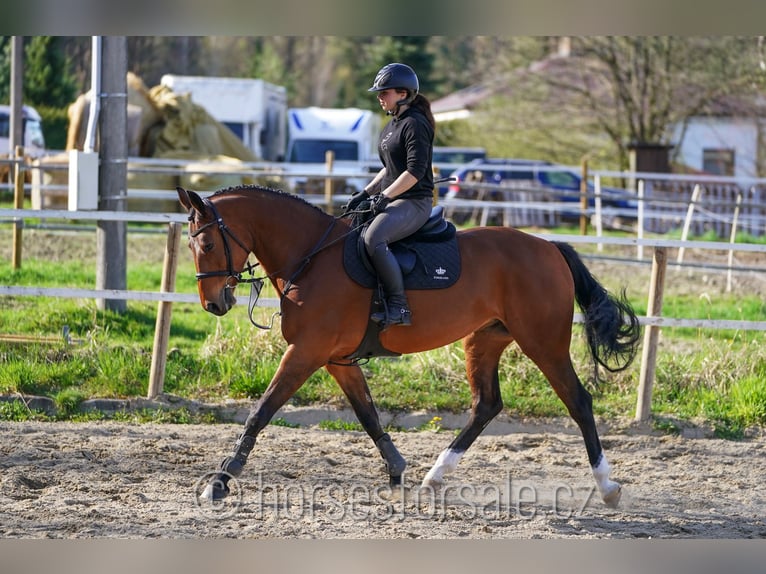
(229, 273)
(256, 283)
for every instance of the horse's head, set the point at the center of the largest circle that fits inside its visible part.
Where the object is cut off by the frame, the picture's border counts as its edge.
(219, 256)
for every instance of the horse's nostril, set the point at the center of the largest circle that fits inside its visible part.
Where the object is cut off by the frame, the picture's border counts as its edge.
(212, 308)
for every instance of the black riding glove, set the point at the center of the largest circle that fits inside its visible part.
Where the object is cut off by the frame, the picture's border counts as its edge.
(355, 201)
(378, 204)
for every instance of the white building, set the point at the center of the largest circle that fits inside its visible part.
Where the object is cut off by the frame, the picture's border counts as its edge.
(721, 145)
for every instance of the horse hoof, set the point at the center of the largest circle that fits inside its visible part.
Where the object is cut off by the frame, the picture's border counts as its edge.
(214, 492)
(612, 499)
(431, 483)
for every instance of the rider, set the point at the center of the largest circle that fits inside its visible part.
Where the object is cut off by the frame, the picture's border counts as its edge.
(402, 192)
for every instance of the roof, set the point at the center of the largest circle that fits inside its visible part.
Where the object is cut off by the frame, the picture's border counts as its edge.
(575, 70)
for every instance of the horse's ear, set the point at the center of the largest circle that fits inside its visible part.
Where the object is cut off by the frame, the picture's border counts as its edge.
(190, 199)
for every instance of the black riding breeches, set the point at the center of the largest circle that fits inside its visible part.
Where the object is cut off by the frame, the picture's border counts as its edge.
(402, 218)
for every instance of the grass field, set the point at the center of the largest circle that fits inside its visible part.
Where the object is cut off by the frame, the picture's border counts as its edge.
(716, 377)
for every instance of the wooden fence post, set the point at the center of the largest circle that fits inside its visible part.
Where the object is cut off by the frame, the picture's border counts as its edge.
(732, 240)
(329, 157)
(688, 222)
(18, 203)
(641, 194)
(651, 334)
(584, 196)
(162, 326)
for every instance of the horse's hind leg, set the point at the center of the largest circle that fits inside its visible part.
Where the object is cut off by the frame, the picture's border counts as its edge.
(351, 380)
(578, 401)
(482, 354)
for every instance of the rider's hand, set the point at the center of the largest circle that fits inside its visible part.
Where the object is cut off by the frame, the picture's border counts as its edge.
(356, 199)
(379, 203)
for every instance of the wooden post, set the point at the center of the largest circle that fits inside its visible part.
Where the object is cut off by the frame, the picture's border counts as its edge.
(641, 193)
(162, 326)
(598, 213)
(732, 240)
(329, 158)
(584, 197)
(18, 203)
(688, 222)
(436, 172)
(651, 334)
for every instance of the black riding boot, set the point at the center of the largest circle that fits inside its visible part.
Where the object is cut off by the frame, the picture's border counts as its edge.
(396, 311)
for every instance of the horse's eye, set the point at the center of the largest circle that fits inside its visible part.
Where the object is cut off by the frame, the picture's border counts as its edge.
(208, 247)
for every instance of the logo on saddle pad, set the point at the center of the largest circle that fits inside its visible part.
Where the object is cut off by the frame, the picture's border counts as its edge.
(425, 264)
(441, 274)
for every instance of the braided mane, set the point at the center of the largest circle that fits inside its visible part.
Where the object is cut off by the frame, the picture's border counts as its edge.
(250, 188)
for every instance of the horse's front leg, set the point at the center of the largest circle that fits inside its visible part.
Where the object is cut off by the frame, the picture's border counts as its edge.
(292, 373)
(351, 380)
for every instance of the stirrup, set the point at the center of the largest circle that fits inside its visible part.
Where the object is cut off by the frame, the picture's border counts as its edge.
(388, 317)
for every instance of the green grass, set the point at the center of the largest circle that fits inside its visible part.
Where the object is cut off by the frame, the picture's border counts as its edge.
(715, 377)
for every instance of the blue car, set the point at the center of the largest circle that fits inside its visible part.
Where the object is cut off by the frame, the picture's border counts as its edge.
(540, 174)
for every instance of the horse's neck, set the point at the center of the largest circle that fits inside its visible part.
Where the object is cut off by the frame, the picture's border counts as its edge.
(284, 229)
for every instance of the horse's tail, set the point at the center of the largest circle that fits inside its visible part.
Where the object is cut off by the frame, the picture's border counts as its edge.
(611, 326)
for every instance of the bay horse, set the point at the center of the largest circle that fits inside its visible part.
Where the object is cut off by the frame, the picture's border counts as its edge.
(513, 286)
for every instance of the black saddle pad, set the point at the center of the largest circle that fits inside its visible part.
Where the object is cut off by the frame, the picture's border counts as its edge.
(426, 264)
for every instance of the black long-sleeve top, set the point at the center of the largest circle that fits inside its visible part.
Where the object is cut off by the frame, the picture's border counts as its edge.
(406, 144)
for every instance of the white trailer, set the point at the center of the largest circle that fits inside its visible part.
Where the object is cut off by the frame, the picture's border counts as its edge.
(350, 133)
(253, 109)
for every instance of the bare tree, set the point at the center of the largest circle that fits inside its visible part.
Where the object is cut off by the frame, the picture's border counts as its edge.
(610, 93)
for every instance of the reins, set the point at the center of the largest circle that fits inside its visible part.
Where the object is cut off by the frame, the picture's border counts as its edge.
(256, 283)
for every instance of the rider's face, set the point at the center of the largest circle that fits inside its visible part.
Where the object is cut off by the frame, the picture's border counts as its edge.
(388, 98)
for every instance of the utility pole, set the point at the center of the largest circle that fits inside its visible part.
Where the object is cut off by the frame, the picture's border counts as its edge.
(111, 236)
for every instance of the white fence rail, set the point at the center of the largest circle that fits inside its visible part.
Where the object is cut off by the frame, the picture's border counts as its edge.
(658, 202)
(661, 202)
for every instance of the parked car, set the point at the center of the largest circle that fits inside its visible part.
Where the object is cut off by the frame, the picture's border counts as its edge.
(553, 182)
(541, 174)
(32, 131)
(447, 158)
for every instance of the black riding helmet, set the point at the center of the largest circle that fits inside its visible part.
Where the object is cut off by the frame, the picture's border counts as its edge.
(398, 77)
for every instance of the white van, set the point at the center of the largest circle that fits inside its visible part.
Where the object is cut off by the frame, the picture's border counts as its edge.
(32, 128)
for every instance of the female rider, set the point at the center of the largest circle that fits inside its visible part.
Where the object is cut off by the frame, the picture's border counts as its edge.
(402, 192)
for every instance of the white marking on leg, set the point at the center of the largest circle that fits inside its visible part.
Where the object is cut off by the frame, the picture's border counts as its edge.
(610, 490)
(445, 464)
(207, 494)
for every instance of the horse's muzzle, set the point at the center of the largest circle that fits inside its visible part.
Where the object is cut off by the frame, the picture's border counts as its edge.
(215, 309)
(224, 304)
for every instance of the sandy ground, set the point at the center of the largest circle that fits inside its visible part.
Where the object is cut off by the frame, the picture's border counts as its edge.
(104, 479)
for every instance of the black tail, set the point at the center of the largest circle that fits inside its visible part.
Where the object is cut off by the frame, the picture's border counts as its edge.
(611, 326)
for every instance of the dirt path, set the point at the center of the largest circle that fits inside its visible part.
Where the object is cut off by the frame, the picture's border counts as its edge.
(104, 479)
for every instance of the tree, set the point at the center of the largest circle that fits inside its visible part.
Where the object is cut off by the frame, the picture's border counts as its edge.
(47, 78)
(615, 92)
(48, 81)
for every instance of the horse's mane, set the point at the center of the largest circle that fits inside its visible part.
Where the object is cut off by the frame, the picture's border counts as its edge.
(249, 188)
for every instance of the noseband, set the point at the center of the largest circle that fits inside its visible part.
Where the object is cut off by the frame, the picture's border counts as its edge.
(225, 233)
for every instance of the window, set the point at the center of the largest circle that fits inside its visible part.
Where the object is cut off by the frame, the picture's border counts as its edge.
(560, 179)
(5, 125)
(313, 151)
(718, 161)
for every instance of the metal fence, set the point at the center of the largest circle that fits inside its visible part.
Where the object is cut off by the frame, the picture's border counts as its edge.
(651, 202)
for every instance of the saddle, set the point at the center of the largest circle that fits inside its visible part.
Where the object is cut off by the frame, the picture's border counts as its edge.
(429, 259)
